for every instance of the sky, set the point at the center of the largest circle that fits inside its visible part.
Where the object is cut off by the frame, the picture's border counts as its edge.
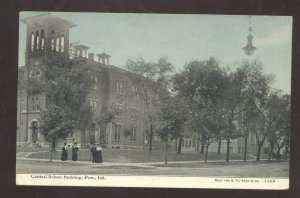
(181, 38)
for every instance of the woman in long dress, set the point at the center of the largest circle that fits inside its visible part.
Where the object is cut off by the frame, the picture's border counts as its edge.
(74, 152)
(64, 153)
(98, 154)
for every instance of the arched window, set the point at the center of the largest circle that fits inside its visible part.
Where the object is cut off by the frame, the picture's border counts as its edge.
(32, 42)
(42, 39)
(37, 39)
(57, 44)
(62, 44)
(52, 44)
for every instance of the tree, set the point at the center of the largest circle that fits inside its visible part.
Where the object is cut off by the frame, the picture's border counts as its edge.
(277, 112)
(55, 124)
(152, 80)
(66, 86)
(258, 89)
(203, 84)
(173, 114)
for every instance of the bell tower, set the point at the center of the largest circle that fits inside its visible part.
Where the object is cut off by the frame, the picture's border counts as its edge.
(47, 32)
(47, 40)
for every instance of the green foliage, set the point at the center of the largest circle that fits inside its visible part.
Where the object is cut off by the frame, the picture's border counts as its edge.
(173, 114)
(67, 84)
(55, 124)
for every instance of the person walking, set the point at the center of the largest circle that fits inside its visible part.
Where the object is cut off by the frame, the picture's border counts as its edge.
(98, 155)
(64, 153)
(93, 153)
(74, 152)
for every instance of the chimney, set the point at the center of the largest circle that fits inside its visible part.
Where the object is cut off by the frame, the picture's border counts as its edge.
(91, 56)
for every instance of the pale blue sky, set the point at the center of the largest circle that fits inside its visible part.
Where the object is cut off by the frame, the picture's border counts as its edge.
(182, 38)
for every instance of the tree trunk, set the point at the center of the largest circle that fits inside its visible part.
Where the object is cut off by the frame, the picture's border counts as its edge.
(271, 152)
(258, 152)
(166, 157)
(52, 149)
(124, 144)
(278, 153)
(245, 147)
(206, 152)
(228, 150)
(286, 152)
(219, 146)
(150, 137)
(179, 146)
(202, 144)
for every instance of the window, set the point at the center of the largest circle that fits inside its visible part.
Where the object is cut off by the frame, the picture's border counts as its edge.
(37, 37)
(52, 44)
(42, 39)
(134, 88)
(94, 105)
(77, 53)
(119, 87)
(133, 134)
(32, 42)
(94, 80)
(57, 44)
(134, 113)
(62, 44)
(155, 137)
(182, 143)
(35, 74)
(119, 109)
(117, 133)
(35, 103)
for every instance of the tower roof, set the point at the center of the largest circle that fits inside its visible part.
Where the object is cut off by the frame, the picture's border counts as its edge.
(104, 55)
(42, 18)
(82, 47)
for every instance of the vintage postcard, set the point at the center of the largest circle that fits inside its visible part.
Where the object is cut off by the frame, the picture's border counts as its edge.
(154, 100)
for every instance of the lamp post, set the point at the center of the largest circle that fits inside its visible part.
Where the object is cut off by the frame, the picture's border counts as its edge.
(249, 48)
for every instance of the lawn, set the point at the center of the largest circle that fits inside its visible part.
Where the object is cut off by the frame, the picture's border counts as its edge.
(139, 156)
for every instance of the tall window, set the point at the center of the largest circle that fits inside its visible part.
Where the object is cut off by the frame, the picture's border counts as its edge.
(94, 105)
(35, 103)
(52, 44)
(94, 80)
(32, 42)
(117, 133)
(133, 134)
(37, 37)
(134, 88)
(119, 87)
(42, 39)
(57, 44)
(62, 44)
(119, 109)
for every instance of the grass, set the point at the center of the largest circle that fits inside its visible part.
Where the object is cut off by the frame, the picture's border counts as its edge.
(139, 156)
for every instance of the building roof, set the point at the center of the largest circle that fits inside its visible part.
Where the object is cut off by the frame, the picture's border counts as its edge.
(80, 47)
(47, 16)
(103, 55)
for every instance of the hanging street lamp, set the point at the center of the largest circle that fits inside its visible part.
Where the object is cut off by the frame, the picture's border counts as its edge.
(249, 48)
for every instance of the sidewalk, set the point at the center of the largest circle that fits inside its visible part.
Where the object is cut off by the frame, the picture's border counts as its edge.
(105, 164)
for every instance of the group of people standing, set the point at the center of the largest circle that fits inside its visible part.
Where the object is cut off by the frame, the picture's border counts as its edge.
(64, 153)
(96, 153)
